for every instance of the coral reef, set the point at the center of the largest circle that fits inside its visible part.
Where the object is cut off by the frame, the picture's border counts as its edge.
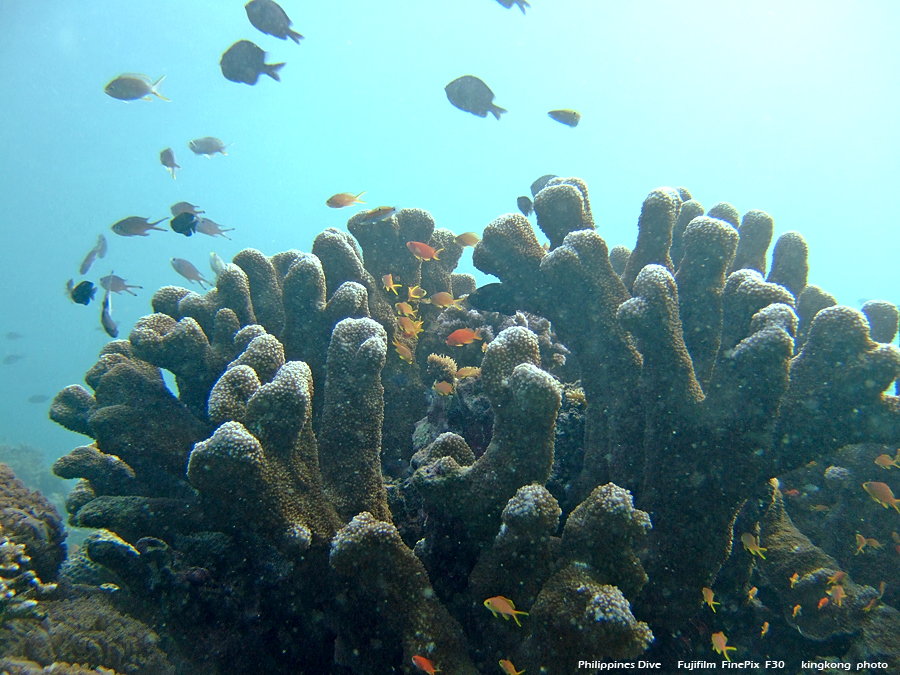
(309, 500)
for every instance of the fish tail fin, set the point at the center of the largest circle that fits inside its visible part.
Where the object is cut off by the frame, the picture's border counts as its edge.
(272, 70)
(294, 35)
(522, 5)
(156, 93)
(357, 197)
(894, 504)
(496, 110)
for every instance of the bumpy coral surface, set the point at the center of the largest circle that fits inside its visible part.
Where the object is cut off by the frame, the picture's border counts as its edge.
(310, 500)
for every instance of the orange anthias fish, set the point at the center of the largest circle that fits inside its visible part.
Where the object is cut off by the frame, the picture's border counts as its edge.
(405, 309)
(467, 371)
(403, 351)
(423, 251)
(467, 239)
(343, 199)
(837, 593)
(504, 607)
(765, 629)
(389, 285)
(752, 593)
(822, 603)
(443, 388)
(820, 508)
(708, 598)
(836, 578)
(415, 293)
(791, 493)
(860, 543)
(751, 544)
(422, 663)
(796, 611)
(507, 667)
(881, 493)
(410, 328)
(463, 336)
(443, 300)
(895, 537)
(886, 462)
(874, 543)
(794, 579)
(720, 644)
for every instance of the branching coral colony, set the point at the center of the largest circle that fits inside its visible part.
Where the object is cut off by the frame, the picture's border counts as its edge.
(265, 520)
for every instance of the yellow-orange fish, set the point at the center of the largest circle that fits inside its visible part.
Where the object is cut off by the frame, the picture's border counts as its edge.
(504, 607)
(751, 544)
(886, 462)
(765, 629)
(874, 543)
(443, 388)
(860, 543)
(507, 667)
(752, 593)
(467, 371)
(708, 598)
(403, 351)
(422, 663)
(415, 293)
(836, 578)
(822, 603)
(881, 493)
(405, 309)
(720, 644)
(443, 300)
(342, 199)
(389, 285)
(796, 611)
(794, 579)
(410, 328)
(837, 593)
(820, 508)
(462, 336)
(467, 239)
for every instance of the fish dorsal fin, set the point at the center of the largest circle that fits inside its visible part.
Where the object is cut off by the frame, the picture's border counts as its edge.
(139, 76)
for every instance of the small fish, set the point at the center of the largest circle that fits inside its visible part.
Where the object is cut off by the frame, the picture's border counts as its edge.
(410, 328)
(131, 87)
(83, 293)
(106, 320)
(505, 664)
(720, 645)
(208, 145)
(874, 543)
(886, 462)
(894, 535)
(837, 593)
(189, 272)
(10, 359)
(378, 214)
(472, 95)
(541, 183)
(820, 508)
(752, 593)
(443, 388)
(791, 493)
(422, 251)
(38, 398)
(822, 603)
(504, 607)
(860, 543)
(388, 282)
(185, 207)
(268, 17)
(422, 663)
(13, 335)
(570, 118)
(467, 371)
(135, 226)
(184, 223)
(871, 605)
(211, 228)
(342, 199)
(244, 62)
(108, 587)
(405, 309)
(796, 611)
(462, 336)
(414, 293)
(708, 599)
(216, 264)
(403, 351)
(794, 579)
(836, 578)
(467, 239)
(443, 300)
(116, 284)
(167, 159)
(98, 251)
(765, 629)
(881, 493)
(751, 544)
(525, 205)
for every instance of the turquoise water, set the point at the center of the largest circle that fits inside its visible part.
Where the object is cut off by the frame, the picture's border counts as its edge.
(787, 109)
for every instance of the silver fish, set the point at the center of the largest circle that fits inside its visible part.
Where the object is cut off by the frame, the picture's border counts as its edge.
(98, 251)
(131, 87)
(135, 226)
(116, 284)
(208, 145)
(185, 207)
(211, 228)
(189, 272)
(106, 320)
(216, 264)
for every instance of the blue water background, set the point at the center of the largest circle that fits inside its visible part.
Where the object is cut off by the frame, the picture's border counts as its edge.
(786, 107)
